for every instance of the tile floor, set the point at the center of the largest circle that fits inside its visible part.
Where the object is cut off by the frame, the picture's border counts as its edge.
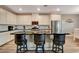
(69, 47)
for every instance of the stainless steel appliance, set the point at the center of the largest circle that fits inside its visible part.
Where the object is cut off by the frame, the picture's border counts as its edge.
(56, 26)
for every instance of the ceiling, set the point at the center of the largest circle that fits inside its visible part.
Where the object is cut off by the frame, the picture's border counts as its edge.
(64, 9)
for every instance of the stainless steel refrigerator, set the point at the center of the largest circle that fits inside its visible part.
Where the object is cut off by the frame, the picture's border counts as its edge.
(56, 26)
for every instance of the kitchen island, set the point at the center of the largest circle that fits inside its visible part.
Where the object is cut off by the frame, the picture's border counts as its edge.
(30, 38)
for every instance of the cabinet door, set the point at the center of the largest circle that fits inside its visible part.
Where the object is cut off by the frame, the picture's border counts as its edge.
(19, 20)
(11, 18)
(2, 16)
(8, 17)
(27, 20)
(23, 19)
(44, 20)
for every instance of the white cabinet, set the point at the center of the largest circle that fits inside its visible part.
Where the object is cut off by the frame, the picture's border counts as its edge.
(4, 37)
(11, 18)
(27, 20)
(7, 17)
(2, 16)
(44, 20)
(23, 19)
(19, 20)
(55, 17)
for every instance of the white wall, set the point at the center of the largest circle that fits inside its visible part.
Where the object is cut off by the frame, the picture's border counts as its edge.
(77, 22)
(69, 27)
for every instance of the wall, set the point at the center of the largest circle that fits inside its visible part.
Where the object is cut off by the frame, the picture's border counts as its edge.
(77, 22)
(69, 27)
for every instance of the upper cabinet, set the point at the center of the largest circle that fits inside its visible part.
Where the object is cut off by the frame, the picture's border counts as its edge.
(14, 19)
(44, 20)
(55, 17)
(23, 19)
(11, 18)
(7, 17)
(3, 16)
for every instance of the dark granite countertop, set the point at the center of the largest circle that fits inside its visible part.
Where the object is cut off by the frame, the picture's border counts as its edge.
(6, 31)
(32, 33)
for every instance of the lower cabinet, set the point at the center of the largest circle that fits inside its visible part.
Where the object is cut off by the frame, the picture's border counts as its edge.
(5, 37)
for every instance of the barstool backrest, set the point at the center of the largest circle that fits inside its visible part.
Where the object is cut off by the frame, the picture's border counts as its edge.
(39, 38)
(59, 38)
(19, 38)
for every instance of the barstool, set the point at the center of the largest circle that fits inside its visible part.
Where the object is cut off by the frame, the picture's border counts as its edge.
(21, 43)
(39, 40)
(58, 42)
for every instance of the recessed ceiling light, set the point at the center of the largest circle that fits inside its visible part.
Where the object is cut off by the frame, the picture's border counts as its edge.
(38, 9)
(45, 5)
(20, 9)
(58, 9)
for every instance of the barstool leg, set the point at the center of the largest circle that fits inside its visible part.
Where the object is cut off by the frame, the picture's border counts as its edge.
(52, 46)
(58, 46)
(23, 48)
(36, 48)
(20, 48)
(43, 48)
(26, 46)
(17, 49)
(62, 49)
